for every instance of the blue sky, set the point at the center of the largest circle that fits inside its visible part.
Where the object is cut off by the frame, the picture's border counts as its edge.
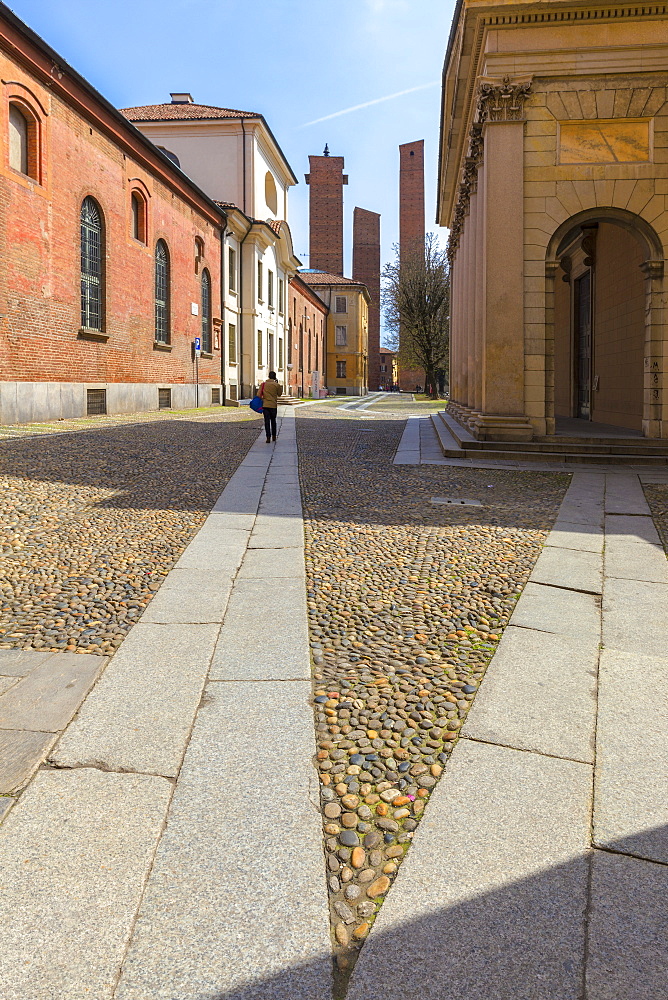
(294, 61)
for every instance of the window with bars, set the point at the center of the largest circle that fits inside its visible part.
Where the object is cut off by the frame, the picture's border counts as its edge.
(341, 336)
(259, 281)
(289, 341)
(341, 369)
(231, 269)
(281, 296)
(280, 353)
(232, 344)
(91, 265)
(206, 312)
(259, 348)
(301, 347)
(162, 331)
(341, 304)
(164, 399)
(270, 289)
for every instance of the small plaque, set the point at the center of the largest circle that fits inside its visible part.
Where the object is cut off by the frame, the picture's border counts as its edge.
(615, 140)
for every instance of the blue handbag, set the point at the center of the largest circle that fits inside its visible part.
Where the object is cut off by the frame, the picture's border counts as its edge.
(256, 404)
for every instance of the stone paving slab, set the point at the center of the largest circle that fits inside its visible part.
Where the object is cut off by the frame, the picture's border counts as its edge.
(284, 532)
(634, 616)
(564, 612)
(139, 715)
(237, 893)
(237, 500)
(580, 513)
(490, 901)
(21, 753)
(74, 855)
(215, 549)
(633, 529)
(19, 662)
(627, 954)
(624, 495)
(540, 694)
(274, 564)
(585, 537)
(631, 775)
(46, 699)
(7, 682)
(190, 595)
(635, 560)
(6, 803)
(242, 522)
(570, 569)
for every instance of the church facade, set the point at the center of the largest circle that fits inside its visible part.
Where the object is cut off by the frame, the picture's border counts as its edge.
(553, 181)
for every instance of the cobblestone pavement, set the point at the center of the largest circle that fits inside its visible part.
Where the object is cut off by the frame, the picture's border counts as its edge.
(92, 521)
(656, 495)
(407, 600)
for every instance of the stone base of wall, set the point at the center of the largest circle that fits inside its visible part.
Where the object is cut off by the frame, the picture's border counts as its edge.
(492, 426)
(26, 402)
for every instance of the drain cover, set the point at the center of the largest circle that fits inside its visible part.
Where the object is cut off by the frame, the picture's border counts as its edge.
(456, 501)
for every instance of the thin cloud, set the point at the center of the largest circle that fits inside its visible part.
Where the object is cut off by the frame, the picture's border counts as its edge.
(367, 104)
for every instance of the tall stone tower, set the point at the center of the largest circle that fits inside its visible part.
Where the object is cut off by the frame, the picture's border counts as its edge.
(411, 196)
(326, 180)
(411, 225)
(366, 268)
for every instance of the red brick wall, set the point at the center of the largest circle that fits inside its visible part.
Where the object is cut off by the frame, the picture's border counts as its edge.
(326, 180)
(307, 314)
(39, 249)
(366, 268)
(411, 223)
(411, 194)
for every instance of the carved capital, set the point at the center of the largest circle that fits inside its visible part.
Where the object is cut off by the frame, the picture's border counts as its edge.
(502, 100)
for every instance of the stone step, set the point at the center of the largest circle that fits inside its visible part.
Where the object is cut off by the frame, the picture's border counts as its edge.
(557, 444)
(512, 451)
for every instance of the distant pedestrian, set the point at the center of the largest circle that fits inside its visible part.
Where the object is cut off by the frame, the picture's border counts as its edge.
(269, 393)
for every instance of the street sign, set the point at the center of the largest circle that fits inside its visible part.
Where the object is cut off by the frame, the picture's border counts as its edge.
(198, 346)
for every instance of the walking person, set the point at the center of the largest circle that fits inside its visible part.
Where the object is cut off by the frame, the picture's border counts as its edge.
(269, 393)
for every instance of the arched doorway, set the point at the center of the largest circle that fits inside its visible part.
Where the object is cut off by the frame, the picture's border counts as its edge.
(602, 272)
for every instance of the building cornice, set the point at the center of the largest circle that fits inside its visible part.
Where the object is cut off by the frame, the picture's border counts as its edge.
(472, 21)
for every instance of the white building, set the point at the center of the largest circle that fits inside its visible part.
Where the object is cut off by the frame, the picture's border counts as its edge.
(233, 156)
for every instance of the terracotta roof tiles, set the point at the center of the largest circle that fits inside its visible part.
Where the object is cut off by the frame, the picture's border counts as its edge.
(312, 277)
(179, 112)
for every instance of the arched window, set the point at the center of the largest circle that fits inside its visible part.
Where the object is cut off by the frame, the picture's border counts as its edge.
(206, 312)
(162, 331)
(18, 139)
(138, 212)
(91, 266)
(199, 253)
(270, 195)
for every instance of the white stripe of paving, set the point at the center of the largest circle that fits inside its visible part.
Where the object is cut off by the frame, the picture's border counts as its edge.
(236, 904)
(74, 855)
(408, 452)
(490, 901)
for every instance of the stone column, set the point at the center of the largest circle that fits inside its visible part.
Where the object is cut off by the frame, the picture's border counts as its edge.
(479, 303)
(454, 354)
(503, 414)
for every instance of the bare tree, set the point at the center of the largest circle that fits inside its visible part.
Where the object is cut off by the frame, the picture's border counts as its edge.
(416, 305)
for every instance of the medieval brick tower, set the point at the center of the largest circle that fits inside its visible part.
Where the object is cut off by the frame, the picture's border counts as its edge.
(366, 268)
(326, 180)
(411, 224)
(411, 196)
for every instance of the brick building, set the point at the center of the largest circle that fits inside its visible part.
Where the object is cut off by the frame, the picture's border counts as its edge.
(347, 303)
(307, 341)
(366, 268)
(111, 256)
(326, 180)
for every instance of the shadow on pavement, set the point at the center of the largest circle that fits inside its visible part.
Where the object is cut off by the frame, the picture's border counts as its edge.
(528, 940)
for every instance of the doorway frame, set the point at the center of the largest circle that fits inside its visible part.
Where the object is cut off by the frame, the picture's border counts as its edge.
(654, 423)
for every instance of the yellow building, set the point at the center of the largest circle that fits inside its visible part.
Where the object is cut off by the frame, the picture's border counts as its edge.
(553, 182)
(347, 302)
